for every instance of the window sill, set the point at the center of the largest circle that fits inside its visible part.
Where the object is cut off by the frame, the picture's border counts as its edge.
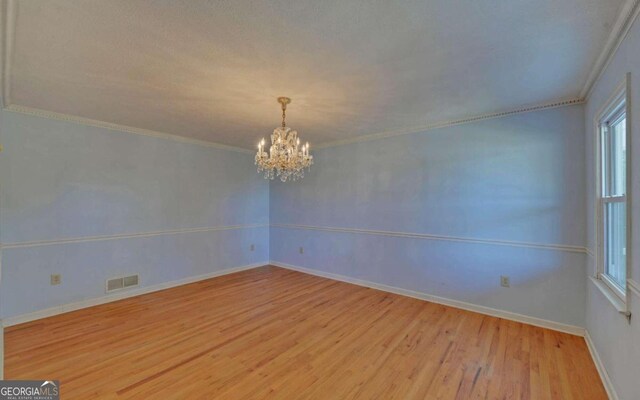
(616, 301)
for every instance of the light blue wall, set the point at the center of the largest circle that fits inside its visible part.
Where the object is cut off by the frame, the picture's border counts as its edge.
(617, 342)
(61, 181)
(518, 178)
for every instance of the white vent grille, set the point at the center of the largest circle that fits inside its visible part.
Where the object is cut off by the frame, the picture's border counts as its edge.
(115, 284)
(122, 283)
(130, 281)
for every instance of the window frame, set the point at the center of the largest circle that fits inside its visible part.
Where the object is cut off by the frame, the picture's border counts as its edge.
(616, 106)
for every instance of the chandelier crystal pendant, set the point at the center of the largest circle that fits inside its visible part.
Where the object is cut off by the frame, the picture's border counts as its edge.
(286, 158)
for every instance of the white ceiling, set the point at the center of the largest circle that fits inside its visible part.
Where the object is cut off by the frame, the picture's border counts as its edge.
(211, 70)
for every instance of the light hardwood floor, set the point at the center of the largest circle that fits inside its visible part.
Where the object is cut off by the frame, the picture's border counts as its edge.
(274, 333)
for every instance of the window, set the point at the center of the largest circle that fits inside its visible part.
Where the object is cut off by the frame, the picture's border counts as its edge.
(612, 202)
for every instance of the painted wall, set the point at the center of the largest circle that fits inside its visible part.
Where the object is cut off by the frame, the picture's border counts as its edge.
(513, 179)
(617, 342)
(91, 204)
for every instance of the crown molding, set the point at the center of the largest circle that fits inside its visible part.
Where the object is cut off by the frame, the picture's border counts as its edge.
(8, 18)
(120, 128)
(461, 121)
(8, 14)
(3, 28)
(362, 138)
(8, 10)
(621, 27)
(9, 7)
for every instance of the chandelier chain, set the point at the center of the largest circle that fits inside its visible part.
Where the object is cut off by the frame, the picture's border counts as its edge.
(284, 108)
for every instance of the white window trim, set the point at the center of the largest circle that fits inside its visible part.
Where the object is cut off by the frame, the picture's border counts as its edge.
(612, 291)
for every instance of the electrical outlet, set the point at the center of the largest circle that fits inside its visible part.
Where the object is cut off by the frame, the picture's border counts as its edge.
(56, 279)
(252, 247)
(504, 281)
(301, 250)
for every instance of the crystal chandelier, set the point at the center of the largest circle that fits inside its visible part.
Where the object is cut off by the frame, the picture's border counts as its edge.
(285, 158)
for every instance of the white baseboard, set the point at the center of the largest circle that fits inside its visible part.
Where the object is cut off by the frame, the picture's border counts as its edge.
(48, 312)
(404, 292)
(557, 326)
(604, 376)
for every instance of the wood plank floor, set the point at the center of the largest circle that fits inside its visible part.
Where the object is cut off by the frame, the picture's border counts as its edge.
(279, 334)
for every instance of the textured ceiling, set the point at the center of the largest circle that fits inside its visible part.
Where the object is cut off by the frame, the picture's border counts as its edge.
(211, 70)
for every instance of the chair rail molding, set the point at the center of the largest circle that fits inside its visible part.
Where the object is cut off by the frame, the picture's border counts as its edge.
(428, 236)
(83, 239)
